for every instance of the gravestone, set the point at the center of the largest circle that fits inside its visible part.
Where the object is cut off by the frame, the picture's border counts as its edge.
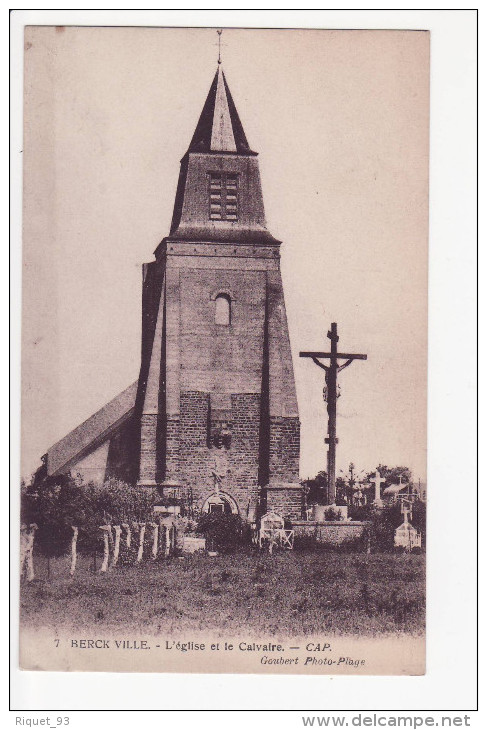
(377, 481)
(193, 544)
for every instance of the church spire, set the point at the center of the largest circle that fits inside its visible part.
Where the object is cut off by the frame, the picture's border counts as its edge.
(219, 128)
(219, 195)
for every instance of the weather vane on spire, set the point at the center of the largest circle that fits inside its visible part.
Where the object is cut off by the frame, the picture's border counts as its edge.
(219, 31)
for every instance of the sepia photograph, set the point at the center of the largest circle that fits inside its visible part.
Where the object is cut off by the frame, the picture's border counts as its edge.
(224, 350)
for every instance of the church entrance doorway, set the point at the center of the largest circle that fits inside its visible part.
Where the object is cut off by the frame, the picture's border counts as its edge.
(222, 503)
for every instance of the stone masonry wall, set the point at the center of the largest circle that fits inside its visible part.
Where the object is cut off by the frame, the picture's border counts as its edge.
(244, 451)
(196, 458)
(284, 449)
(172, 461)
(332, 533)
(148, 431)
(286, 502)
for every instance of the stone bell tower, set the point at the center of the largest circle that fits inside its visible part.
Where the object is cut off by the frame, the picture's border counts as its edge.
(216, 396)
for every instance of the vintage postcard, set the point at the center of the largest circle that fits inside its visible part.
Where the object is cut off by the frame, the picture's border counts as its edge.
(224, 343)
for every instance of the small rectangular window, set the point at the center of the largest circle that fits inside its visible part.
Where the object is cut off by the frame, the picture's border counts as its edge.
(223, 196)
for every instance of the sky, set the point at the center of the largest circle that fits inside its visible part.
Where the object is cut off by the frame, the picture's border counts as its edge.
(340, 121)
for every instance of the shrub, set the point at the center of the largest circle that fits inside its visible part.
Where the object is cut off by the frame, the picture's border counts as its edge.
(116, 502)
(360, 514)
(332, 514)
(418, 519)
(381, 528)
(223, 531)
(309, 543)
(58, 503)
(354, 544)
(187, 526)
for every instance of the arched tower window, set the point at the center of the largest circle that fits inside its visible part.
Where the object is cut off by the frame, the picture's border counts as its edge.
(222, 309)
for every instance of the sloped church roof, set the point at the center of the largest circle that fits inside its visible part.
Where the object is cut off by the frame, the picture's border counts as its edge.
(92, 431)
(219, 128)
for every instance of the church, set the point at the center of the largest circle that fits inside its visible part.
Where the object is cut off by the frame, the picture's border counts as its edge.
(213, 418)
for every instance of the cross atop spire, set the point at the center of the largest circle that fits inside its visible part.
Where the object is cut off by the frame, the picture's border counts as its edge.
(219, 128)
(219, 31)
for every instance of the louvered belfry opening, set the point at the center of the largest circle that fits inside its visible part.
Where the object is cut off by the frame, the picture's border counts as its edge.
(223, 196)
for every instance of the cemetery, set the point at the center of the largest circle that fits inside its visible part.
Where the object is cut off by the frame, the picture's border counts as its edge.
(163, 571)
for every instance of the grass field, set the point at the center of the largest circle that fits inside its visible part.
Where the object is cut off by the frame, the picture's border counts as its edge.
(287, 593)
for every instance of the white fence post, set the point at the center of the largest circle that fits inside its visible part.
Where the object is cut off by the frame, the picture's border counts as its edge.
(24, 535)
(74, 540)
(155, 539)
(106, 549)
(116, 547)
(141, 542)
(128, 536)
(27, 535)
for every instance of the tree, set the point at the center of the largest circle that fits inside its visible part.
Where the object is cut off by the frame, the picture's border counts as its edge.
(317, 489)
(392, 475)
(349, 485)
(54, 504)
(342, 491)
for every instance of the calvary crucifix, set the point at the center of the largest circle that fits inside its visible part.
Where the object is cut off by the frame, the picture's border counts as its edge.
(331, 372)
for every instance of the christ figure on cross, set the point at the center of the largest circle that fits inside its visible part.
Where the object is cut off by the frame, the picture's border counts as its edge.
(331, 372)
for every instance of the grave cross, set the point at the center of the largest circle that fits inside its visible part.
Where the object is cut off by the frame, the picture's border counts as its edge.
(332, 371)
(377, 480)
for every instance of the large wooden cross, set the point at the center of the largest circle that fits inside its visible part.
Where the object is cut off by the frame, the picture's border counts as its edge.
(332, 371)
